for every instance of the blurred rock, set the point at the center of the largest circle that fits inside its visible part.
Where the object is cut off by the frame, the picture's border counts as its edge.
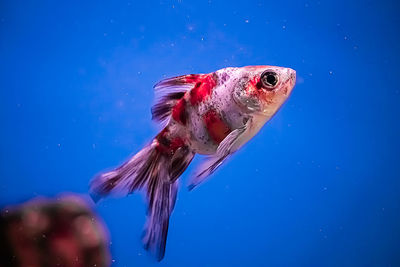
(52, 232)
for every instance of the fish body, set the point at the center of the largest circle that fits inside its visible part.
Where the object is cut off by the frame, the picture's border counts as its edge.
(211, 114)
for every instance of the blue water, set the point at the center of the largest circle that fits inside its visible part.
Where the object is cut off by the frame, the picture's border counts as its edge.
(318, 186)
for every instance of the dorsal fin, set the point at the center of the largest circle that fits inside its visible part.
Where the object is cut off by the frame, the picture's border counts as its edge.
(162, 109)
(168, 92)
(178, 83)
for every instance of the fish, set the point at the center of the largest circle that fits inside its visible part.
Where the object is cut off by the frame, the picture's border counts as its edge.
(212, 114)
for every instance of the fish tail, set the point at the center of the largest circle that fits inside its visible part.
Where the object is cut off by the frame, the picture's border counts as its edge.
(156, 169)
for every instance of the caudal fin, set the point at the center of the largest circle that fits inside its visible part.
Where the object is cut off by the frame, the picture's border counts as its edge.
(156, 169)
(130, 176)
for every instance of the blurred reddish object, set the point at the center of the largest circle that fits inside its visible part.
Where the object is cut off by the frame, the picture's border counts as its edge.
(52, 232)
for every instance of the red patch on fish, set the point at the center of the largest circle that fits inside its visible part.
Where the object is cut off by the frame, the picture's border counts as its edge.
(167, 144)
(202, 89)
(176, 143)
(216, 127)
(192, 78)
(254, 88)
(179, 111)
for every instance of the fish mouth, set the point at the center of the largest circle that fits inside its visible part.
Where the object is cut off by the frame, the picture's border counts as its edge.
(290, 81)
(291, 76)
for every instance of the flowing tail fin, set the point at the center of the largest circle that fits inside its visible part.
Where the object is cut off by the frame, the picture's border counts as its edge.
(156, 169)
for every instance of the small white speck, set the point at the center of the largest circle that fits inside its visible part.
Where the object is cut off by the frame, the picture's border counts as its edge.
(246, 21)
(283, 27)
(120, 103)
(330, 72)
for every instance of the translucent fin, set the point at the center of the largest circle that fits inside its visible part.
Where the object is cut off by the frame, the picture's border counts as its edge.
(157, 172)
(177, 83)
(227, 147)
(130, 176)
(168, 92)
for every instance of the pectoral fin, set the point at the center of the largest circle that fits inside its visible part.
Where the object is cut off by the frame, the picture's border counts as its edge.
(227, 147)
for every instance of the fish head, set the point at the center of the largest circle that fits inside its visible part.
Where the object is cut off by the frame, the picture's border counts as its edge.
(263, 89)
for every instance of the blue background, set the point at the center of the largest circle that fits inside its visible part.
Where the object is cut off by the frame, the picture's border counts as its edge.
(318, 186)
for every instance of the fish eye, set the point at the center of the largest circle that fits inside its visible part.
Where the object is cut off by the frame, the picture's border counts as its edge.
(269, 79)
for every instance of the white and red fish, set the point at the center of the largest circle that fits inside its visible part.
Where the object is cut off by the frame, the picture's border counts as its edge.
(210, 114)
